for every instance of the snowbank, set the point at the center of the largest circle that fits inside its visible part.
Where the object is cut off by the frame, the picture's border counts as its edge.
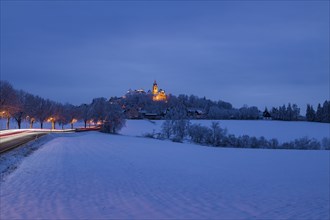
(95, 175)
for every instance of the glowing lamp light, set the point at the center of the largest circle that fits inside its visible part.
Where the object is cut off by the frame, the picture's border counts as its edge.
(3, 114)
(51, 119)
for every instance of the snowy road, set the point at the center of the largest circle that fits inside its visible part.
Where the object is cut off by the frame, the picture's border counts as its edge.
(94, 175)
(10, 139)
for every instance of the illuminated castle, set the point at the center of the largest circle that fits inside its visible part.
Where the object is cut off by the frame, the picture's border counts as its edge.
(158, 95)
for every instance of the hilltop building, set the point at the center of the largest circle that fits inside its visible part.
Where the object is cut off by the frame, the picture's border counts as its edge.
(158, 94)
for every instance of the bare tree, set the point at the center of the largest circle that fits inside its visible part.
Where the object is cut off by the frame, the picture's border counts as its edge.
(30, 107)
(167, 128)
(71, 113)
(19, 112)
(97, 110)
(84, 115)
(8, 97)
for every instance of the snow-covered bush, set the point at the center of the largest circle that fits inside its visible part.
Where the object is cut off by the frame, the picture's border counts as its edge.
(167, 129)
(200, 134)
(306, 143)
(273, 143)
(326, 143)
(180, 128)
(218, 135)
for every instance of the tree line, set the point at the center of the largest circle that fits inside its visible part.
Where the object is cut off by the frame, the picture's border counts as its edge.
(21, 105)
(322, 114)
(182, 130)
(194, 107)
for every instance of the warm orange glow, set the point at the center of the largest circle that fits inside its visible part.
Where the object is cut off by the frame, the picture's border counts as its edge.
(3, 114)
(73, 120)
(51, 119)
(158, 95)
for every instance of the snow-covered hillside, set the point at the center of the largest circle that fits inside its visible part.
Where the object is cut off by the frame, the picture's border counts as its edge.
(94, 175)
(282, 130)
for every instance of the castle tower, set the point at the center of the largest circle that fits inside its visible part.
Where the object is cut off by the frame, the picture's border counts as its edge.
(155, 88)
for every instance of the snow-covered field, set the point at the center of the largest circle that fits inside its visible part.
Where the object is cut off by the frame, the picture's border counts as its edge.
(282, 130)
(93, 175)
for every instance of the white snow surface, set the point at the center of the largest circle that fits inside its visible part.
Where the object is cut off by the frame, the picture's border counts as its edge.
(100, 176)
(282, 130)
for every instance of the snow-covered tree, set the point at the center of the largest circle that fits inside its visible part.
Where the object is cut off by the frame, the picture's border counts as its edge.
(200, 134)
(326, 112)
(8, 100)
(56, 114)
(114, 119)
(295, 112)
(97, 110)
(319, 113)
(167, 128)
(43, 110)
(71, 114)
(310, 113)
(19, 112)
(84, 115)
(30, 107)
(218, 134)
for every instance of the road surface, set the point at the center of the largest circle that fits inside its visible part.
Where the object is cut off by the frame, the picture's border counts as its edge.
(10, 140)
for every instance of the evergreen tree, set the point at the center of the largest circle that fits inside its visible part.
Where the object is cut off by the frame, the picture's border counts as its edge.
(289, 113)
(319, 113)
(310, 113)
(266, 113)
(282, 112)
(326, 112)
(296, 112)
(275, 113)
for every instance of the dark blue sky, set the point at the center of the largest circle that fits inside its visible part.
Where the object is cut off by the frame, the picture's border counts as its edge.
(245, 52)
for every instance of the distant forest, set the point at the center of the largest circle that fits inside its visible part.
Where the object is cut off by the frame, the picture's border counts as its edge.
(21, 105)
